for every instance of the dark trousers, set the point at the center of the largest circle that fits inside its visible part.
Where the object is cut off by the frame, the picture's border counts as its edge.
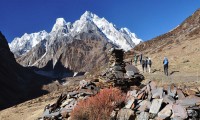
(166, 69)
(143, 67)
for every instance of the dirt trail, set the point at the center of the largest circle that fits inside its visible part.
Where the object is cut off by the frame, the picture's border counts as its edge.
(175, 77)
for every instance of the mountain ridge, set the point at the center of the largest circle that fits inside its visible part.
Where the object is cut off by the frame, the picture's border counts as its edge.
(120, 37)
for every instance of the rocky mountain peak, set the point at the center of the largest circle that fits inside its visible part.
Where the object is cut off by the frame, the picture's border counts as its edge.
(88, 16)
(60, 25)
(21, 45)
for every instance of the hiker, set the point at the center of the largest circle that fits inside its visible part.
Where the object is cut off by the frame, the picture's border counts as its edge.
(140, 58)
(146, 63)
(165, 63)
(143, 65)
(149, 64)
(135, 59)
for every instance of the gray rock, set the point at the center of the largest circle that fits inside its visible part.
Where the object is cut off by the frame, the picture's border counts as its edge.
(153, 85)
(171, 90)
(119, 74)
(168, 99)
(117, 68)
(144, 105)
(113, 115)
(132, 68)
(83, 83)
(130, 74)
(180, 94)
(192, 113)
(48, 114)
(179, 112)
(132, 93)
(189, 101)
(155, 106)
(125, 114)
(165, 112)
(130, 102)
(143, 116)
(157, 93)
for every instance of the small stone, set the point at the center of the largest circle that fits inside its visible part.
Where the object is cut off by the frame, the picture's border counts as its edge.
(155, 106)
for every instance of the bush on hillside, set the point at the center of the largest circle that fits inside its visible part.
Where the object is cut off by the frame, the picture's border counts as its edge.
(100, 106)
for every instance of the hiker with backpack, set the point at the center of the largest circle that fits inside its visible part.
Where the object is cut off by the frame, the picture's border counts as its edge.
(149, 64)
(140, 58)
(165, 63)
(143, 65)
(135, 59)
(146, 64)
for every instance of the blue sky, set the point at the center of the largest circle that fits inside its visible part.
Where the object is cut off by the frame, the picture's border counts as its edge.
(146, 18)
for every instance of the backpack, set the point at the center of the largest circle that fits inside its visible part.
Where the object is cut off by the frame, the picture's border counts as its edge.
(149, 62)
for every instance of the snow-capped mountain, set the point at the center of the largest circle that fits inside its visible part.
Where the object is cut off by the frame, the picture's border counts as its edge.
(25, 43)
(122, 38)
(78, 46)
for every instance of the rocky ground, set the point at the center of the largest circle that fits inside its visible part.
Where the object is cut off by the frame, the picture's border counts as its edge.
(33, 109)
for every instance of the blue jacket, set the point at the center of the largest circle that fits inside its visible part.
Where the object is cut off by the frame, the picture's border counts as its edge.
(165, 62)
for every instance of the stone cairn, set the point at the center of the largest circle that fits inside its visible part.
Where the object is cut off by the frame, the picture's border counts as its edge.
(118, 72)
(116, 65)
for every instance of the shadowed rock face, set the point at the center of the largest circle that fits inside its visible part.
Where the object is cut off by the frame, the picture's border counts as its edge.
(16, 82)
(187, 29)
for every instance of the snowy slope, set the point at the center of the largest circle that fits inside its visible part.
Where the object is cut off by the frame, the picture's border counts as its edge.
(22, 45)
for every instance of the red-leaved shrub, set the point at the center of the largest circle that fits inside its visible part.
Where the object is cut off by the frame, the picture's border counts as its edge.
(100, 106)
